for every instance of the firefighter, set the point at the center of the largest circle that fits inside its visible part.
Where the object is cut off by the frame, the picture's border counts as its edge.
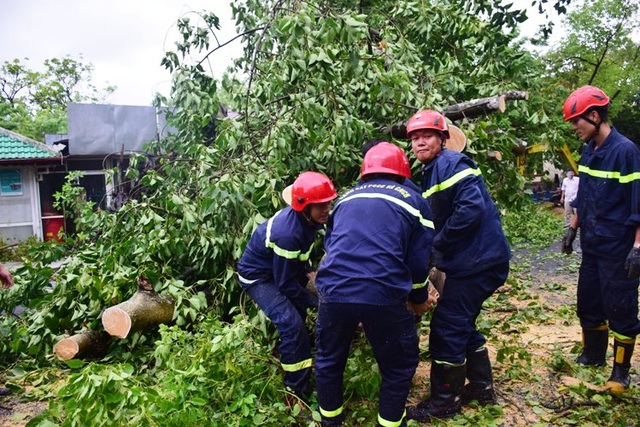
(608, 215)
(471, 249)
(274, 270)
(378, 241)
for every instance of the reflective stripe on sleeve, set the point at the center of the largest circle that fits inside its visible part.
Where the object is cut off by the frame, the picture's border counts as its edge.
(623, 179)
(451, 181)
(299, 255)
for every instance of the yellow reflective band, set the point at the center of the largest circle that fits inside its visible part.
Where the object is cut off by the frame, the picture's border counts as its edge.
(387, 423)
(451, 181)
(623, 338)
(420, 285)
(624, 179)
(295, 367)
(280, 251)
(290, 254)
(331, 414)
(406, 206)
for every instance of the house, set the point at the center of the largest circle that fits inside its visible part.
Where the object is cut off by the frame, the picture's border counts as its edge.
(100, 138)
(21, 159)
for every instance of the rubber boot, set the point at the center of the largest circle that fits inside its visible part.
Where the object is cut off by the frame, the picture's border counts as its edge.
(446, 385)
(480, 386)
(594, 346)
(619, 380)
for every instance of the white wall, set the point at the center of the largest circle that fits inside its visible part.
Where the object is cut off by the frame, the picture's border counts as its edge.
(19, 214)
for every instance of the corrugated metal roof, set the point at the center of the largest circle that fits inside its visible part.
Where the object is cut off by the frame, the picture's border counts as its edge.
(17, 147)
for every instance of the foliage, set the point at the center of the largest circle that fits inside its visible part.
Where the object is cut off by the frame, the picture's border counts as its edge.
(601, 49)
(534, 225)
(342, 76)
(315, 82)
(33, 103)
(218, 374)
(17, 251)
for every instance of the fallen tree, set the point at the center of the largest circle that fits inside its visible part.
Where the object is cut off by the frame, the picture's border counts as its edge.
(468, 109)
(145, 309)
(83, 344)
(482, 106)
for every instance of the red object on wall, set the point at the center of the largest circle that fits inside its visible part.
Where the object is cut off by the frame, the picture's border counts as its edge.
(52, 227)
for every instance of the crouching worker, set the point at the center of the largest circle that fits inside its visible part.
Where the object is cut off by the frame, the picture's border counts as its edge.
(378, 241)
(273, 271)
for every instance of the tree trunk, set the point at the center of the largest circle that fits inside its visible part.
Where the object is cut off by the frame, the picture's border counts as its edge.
(87, 343)
(143, 310)
(470, 109)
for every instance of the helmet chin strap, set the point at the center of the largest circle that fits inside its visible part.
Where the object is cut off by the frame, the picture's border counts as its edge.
(596, 125)
(307, 217)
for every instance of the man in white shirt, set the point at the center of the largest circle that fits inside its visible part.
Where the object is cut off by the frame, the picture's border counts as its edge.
(569, 193)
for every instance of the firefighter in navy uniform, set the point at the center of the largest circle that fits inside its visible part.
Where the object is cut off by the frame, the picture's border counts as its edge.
(274, 270)
(608, 215)
(470, 247)
(378, 241)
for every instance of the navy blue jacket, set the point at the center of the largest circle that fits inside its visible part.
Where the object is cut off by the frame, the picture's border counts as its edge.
(378, 243)
(469, 236)
(279, 251)
(608, 200)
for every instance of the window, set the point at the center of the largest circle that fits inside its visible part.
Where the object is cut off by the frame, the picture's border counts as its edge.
(10, 182)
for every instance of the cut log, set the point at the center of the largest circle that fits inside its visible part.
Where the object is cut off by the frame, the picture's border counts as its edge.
(476, 107)
(469, 109)
(145, 309)
(87, 343)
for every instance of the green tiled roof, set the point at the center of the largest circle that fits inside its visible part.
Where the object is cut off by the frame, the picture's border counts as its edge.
(17, 147)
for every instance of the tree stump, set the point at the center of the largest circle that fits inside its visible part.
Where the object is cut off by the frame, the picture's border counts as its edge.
(87, 343)
(143, 310)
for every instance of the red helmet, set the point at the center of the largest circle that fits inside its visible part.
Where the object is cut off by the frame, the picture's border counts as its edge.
(311, 187)
(582, 99)
(386, 158)
(428, 119)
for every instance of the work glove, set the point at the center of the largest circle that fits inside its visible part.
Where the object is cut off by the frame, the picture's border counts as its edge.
(567, 241)
(633, 263)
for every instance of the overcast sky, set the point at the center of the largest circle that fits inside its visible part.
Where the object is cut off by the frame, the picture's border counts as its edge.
(125, 40)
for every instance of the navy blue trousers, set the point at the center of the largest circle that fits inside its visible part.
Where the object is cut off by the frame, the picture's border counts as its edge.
(295, 346)
(605, 293)
(453, 325)
(391, 331)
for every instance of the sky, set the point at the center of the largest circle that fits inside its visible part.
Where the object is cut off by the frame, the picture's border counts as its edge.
(124, 40)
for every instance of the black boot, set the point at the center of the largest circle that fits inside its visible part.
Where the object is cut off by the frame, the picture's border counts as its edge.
(619, 380)
(594, 346)
(4, 391)
(480, 378)
(446, 385)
